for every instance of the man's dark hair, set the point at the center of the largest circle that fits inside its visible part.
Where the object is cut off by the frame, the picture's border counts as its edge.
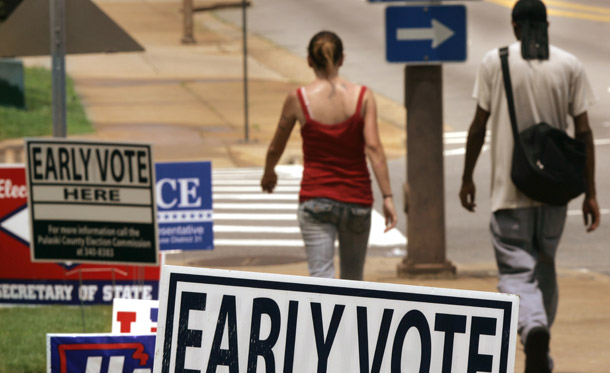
(530, 17)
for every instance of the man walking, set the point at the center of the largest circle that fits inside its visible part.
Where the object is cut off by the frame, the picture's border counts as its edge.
(548, 85)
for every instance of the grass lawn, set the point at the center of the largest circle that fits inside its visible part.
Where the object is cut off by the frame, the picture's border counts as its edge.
(37, 119)
(23, 332)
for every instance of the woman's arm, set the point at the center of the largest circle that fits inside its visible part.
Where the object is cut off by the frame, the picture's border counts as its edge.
(376, 155)
(278, 143)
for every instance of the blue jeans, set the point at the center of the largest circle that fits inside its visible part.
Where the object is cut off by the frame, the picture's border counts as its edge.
(321, 221)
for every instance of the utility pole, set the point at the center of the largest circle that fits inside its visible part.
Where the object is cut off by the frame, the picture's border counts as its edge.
(58, 66)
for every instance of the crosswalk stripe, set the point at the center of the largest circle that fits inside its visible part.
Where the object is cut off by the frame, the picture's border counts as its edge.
(263, 217)
(243, 213)
(255, 206)
(246, 197)
(255, 229)
(257, 182)
(257, 242)
(252, 189)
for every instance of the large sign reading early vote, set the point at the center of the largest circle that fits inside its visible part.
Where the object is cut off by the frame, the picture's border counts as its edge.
(184, 205)
(25, 282)
(100, 353)
(218, 320)
(91, 202)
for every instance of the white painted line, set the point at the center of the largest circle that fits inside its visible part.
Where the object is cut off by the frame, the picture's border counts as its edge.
(460, 151)
(261, 196)
(461, 134)
(262, 217)
(255, 206)
(254, 189)
(393, 237)
(229, 182)
(458, 140)
(262, 243)
(254, 229)
(579, 212)
(453, 134)
(236, 171)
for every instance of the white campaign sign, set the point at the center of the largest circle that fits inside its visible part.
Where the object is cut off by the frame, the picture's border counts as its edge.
(252, 322)
(91, 202)
(134, 316)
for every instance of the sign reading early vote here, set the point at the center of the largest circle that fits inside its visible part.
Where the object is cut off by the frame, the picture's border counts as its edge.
(91, 202)
(184, 205)
(232, 321)
(426, 33)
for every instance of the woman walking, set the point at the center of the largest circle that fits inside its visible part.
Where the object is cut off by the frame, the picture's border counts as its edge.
(339, 130)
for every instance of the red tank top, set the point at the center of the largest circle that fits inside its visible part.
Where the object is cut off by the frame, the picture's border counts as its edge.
(333, 158)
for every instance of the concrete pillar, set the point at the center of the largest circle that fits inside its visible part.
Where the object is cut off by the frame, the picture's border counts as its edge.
(426, 189)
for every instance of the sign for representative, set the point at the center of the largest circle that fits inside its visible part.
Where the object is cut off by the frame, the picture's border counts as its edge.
(184, 205)
(100, 353)
(212, 320)
(91, 202)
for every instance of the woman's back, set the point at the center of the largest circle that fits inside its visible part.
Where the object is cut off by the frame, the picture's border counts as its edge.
(331, 102)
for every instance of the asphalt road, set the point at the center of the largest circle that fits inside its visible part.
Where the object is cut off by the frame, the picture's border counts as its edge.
(576, 26)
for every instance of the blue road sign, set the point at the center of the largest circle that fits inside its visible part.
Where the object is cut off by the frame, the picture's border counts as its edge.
(426, 33)
(184, 206)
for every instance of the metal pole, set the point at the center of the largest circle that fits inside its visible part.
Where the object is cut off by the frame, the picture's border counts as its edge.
(187, 11)
(245, 40)
(58, 66)
(426, 216)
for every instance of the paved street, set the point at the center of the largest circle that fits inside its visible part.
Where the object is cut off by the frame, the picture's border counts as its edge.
(252, 227)
(573, 26)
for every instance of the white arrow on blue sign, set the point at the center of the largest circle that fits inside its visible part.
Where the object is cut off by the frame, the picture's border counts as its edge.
(426, 33)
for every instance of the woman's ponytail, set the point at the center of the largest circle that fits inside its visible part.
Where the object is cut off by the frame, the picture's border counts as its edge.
(325, 50)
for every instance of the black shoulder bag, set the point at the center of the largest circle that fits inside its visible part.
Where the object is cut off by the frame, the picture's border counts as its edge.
(548, 165)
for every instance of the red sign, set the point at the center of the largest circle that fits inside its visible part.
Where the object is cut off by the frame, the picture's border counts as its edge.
(22, 281)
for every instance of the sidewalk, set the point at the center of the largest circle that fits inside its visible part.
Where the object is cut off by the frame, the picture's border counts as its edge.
(187, 100)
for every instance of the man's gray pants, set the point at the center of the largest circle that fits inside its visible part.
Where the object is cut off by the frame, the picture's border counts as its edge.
(525, 242)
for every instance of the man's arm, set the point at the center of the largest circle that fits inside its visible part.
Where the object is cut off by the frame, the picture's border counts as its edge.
(474, 144)
(590, 208)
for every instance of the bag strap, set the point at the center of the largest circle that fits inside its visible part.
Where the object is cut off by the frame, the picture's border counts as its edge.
(509, 92)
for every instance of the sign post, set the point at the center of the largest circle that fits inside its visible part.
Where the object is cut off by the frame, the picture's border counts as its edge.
(91, 202)
(424, 37)
(58, 65)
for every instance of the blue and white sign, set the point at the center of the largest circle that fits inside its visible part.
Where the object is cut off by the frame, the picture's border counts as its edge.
(184, 206)
(426, 33)
(100, 353)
